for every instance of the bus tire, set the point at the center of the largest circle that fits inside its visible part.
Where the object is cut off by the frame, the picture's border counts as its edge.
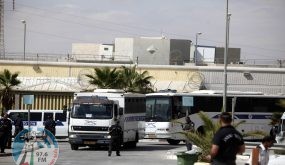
(173, 142)
(74, 147)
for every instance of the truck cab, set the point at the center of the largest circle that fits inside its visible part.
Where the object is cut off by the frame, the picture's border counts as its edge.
(90, 119)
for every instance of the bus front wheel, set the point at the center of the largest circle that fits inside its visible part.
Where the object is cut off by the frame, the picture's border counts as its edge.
(74, 147)
(173, 142)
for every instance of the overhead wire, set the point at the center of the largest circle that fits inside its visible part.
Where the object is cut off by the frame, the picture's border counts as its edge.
(122, 25)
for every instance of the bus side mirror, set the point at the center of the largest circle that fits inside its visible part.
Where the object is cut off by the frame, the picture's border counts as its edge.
(121, 111)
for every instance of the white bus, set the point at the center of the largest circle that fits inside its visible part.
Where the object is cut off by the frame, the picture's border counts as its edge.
(37, 118)
(94, 112)
(164, 107)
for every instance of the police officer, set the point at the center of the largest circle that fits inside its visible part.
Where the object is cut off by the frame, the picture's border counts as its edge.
(5, 130)
(227, 142)
(116, 133)
(50, 124)
(18, 125)
(188, 126)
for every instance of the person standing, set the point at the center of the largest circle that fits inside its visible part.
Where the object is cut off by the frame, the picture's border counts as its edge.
(50, 124)
(263, 151)
(188, 126)
(227, 142)
(18, 125)
(5, 130)
(116, 133)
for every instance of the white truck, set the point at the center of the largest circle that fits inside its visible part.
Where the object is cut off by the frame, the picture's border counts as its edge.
(94, 112)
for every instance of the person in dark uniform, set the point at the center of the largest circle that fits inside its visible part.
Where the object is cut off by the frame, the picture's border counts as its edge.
(50, 124)
(18, 125)
(116, 133)
(188, 126)
(5, 129)
(227, 142)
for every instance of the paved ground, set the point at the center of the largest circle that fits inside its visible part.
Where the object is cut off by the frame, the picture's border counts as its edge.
(170, 154)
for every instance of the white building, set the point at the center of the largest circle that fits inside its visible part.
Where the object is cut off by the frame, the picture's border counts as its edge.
(92, 52)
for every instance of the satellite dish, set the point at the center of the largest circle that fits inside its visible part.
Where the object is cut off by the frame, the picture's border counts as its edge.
(82, 79)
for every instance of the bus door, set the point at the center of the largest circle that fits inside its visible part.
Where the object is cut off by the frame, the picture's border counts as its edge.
(36, 122)
(61, 119)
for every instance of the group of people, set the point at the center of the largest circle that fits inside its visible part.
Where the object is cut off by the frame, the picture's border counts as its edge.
(6, 129)
(228, 142)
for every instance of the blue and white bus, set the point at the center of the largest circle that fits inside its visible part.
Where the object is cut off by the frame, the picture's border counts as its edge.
(37, 118)
(164, 107)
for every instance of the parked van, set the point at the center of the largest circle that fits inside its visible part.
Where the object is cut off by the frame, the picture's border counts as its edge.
(37, 118)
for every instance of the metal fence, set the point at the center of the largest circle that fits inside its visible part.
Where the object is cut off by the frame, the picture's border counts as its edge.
(96, 58)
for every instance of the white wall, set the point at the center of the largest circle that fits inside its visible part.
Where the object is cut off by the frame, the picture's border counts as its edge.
(124, 49)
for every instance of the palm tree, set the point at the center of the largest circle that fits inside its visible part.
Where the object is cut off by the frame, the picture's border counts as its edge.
(105, 78)
(8, 80)
(132, 81)
(127, 79)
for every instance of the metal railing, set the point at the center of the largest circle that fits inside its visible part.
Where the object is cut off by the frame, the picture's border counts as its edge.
(87, 58)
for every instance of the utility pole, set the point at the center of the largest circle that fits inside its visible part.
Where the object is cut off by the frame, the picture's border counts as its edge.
(2, 45)
(225, 57)
(13, 5)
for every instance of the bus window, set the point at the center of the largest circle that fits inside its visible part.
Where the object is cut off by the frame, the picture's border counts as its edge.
(13, 116)
(47, 114)
(23, 115)
(60, 116)
(37, 116)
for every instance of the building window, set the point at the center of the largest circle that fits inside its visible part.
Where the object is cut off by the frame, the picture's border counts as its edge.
(106, 49)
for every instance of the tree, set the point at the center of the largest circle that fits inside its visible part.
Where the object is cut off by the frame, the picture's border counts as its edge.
(132, 81)
(105, 78)
(127, 79)
(8, 81)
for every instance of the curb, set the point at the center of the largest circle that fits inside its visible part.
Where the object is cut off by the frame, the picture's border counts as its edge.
(5, 154)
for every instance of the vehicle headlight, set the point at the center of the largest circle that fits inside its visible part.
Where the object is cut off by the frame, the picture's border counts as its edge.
(73, 136)
(108, 137)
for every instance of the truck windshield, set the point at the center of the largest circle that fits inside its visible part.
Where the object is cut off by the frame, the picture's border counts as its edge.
(158, 109)
(92, 111)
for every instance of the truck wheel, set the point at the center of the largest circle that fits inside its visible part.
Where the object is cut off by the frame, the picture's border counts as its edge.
(173, 142)
(74, 147)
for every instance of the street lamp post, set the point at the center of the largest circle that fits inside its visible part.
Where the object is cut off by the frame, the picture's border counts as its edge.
(25, 29)
(228, 15)
(196, 44)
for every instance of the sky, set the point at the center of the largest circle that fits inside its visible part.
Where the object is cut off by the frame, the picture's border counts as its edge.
(256, 26)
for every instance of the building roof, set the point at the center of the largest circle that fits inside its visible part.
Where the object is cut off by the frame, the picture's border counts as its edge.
(55, 84)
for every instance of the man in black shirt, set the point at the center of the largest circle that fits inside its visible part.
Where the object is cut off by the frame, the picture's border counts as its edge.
(18, 125)
(50, 124)
(188, 126)
(227, 142)
(116, 134)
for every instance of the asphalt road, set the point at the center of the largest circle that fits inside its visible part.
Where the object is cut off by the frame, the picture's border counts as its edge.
(145, 153)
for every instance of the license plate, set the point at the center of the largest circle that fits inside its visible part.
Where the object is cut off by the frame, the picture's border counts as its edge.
(89, 142)
(151, 136)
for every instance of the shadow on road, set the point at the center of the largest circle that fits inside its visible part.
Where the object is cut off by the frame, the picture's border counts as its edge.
(140, 147)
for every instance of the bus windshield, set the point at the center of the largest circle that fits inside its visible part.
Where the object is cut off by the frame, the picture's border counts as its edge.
(92, 111)
(158, 109)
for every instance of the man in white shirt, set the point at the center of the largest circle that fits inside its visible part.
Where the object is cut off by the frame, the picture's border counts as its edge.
(266, 143)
